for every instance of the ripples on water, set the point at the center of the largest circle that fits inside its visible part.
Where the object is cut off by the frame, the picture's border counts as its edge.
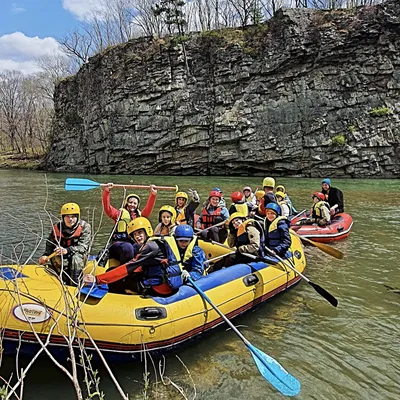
(351, 352)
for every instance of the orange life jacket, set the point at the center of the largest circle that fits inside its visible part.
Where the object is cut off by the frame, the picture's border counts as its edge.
(207, 219)
(67, 241)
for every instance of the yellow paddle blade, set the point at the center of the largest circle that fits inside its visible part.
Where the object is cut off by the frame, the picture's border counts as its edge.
(322, 246)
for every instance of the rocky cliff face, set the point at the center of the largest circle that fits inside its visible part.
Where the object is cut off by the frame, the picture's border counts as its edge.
(311, 93)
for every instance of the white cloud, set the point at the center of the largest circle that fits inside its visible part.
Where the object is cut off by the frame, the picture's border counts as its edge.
(16, 10)
(19, 52)
(83, 9)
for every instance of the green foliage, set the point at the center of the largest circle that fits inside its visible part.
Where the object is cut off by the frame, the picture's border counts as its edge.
(351, 128)
(146, 384)
(380, 111)
(338, 140)
(172, 13)
(181, 39)
(3, 392)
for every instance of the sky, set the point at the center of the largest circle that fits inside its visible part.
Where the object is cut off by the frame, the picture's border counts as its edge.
(30, 29)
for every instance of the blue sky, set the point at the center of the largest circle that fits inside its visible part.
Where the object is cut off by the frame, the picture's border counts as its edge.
(29, 29)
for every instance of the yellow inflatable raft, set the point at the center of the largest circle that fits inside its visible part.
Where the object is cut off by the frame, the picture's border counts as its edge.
(35, 307)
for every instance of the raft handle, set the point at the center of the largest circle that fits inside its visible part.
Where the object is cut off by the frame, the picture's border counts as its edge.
(250, 280)
(150, 313)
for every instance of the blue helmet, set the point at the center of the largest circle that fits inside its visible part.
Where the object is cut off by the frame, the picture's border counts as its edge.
(216, 189)
(274, 207)
(184, 232)
(327, 181)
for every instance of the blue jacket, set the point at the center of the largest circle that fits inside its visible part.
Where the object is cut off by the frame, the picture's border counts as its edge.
(277, 236)
(193, 260)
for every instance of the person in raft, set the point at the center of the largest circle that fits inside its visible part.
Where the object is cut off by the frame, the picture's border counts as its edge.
(155, 270)
(280, 196)
(213, 213)
(276, 230)
(128, 212)
(281, 188)
(320, 212)
(333, 196)
(192, 256)
(269, 196)
(185, 212)
(239, 204)
(70, 240)
(247, 236)
(249, 196)
(166, 219)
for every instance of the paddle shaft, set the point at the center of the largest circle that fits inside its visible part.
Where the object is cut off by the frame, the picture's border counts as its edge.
(219, 257)
(325, 294)
(198, 231)
(120, 186)
(223, 316)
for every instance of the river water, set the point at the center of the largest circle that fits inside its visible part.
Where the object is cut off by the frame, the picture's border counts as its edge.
(349, 352)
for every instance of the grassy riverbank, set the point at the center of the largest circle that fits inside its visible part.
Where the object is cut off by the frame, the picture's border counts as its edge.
(9, 160)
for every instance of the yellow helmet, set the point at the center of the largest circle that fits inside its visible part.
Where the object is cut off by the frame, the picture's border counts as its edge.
(183, 195)
(70, 208)
(280, 194)
(129, 196)
(269, 182)
(140, 223)
(237, 215)
(169, 209)
(280, 188)
(259, 194)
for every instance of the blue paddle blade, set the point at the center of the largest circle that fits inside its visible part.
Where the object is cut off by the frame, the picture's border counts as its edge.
(96, 291)
(80, 184)
(273, 372)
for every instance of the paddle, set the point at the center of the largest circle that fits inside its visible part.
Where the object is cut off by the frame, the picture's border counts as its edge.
(96, 291)
(252, 256)
(198, 231)
(297, 215)
(322, 246)
(87, 184)
(317, 288)
(269, 368)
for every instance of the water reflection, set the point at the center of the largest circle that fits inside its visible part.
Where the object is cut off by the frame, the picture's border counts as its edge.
(351, 352)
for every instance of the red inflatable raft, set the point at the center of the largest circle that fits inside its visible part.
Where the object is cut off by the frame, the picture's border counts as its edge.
(339, 229)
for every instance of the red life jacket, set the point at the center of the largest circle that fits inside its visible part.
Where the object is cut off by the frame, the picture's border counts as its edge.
(207, 219)
(67, 241)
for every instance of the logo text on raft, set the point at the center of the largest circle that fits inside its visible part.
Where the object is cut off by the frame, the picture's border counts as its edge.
(33, 313)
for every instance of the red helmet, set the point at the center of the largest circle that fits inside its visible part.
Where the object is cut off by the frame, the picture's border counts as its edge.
(215, 193)
(319, 195)
(237, 197)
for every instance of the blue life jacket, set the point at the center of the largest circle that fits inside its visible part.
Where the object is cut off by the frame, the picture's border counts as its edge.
(169, 270)
(277, 236)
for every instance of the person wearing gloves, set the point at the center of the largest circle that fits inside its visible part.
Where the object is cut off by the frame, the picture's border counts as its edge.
(155, 270)
(333, 196)
(192, 256)
(70, 240)
(185, 211)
